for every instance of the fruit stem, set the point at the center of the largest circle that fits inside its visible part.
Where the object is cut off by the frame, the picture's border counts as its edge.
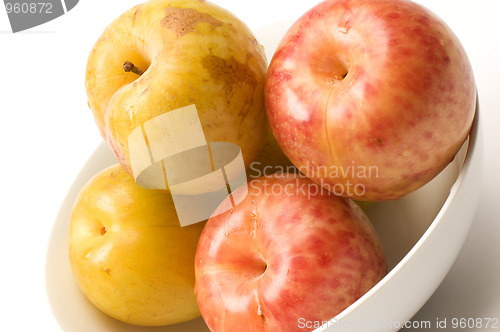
(129, 66)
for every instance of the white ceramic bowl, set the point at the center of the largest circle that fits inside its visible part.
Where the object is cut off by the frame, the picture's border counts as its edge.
(422, 234)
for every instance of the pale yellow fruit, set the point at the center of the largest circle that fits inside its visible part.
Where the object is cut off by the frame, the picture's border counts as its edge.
(129, 254)
(193, 52)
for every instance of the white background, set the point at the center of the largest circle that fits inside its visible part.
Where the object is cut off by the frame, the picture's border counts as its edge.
(47, 133)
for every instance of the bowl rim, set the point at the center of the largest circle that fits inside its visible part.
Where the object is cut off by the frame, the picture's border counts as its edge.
(471, 163)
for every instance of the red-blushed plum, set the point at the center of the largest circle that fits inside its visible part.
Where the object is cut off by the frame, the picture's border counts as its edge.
(288, 254)
(370, 98)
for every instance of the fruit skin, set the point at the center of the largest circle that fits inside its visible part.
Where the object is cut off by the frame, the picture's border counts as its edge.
(195, 53)
(128, 253)
(271, 160)
(404, 107)
(277, 258)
